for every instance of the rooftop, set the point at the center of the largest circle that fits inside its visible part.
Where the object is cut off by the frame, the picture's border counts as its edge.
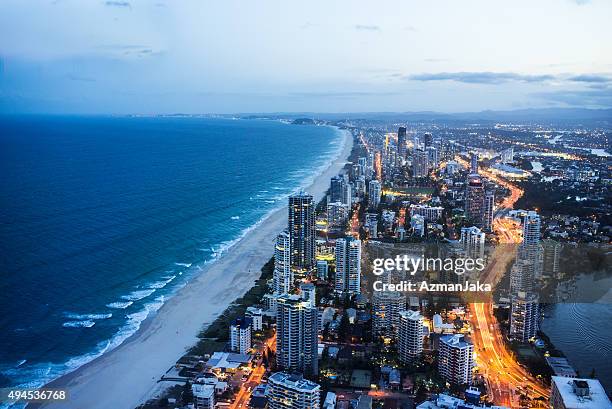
(595, 397)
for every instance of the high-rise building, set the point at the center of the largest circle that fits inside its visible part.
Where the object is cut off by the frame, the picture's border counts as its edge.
(374, 192)
(386, 306)
(420, 167)
(337, 214)
(524, 316)
(410, 335)
(308, 293)
(456, 359)
(302, 231)
(474, 199)
(336, 190)
(240, 335)
(552, 254)
(322, 269)
(283, 281)
(296, 335)
(401, 142)
(371, 224)
(348, 266)
(292, 391)
(488, 211)
(432, 157)
(416, 142)
(578, 393)
(474, 163)
(473, 241)
(427, 140)
(256, 316)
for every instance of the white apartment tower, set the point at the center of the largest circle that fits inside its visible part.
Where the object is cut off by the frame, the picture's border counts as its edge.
(296, 335)
(240, 335)
(410, 335)
(292, 391)
(473, 241)
(374, 192)
(283, 274)
(386, 306)
(456, 359)
(524, 316)
(348, 265)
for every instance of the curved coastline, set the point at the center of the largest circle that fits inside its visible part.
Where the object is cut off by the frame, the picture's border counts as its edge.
(131, 369)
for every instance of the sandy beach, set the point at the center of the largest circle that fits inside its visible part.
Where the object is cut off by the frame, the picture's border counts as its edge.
(127, 376)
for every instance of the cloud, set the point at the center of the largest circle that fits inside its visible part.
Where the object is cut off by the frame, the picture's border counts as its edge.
(591, 78)
(343, 94)
(582, 2)
(583, 98)
(117, 3)
(480, 77)
(411, 28)
(436, 60)
(366, 27)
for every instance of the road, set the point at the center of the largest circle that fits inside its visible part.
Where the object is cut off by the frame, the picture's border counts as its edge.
(506, 379)
(244, 394)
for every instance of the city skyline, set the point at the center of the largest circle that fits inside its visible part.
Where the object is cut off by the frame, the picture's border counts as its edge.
(135, 57)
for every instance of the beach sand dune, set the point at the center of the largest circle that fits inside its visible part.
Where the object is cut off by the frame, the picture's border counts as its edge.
(127, 376)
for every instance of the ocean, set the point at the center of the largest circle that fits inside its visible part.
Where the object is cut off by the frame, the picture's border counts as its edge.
(102, 219)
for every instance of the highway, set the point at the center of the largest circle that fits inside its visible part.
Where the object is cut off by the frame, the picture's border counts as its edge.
(243, 396)
(506, 379)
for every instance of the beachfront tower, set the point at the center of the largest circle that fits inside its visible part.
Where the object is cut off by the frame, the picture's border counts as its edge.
(283, 275)
(296, 335)
(240, 335)
(302, 232)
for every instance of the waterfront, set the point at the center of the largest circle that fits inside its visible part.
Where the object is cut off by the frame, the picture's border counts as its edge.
(119, 213)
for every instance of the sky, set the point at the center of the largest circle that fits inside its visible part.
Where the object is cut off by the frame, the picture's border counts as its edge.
(198, 56)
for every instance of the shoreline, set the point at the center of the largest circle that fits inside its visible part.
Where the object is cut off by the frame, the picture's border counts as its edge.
(132, 369)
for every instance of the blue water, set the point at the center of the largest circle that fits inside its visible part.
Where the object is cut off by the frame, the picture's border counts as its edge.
(102, 219)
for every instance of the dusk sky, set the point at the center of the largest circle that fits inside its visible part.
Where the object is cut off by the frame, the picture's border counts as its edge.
(162, 56)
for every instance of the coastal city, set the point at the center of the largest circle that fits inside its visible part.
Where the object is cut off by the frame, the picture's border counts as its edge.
(314, 332)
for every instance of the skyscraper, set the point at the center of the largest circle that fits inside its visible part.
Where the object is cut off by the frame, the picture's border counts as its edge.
(420, 167)
(473, 241)
(292, 391)
(374, 192)
(337, 214)
(386, 306)
(240, 335)
(348, 266)
(474, 199)
(296, 335)
(336, 190)
(302, 231)
(488, 209)
(432, 157)
(410, 335)
(455, 359)
(283, 274)
(427, 140)
(308, 293)
(524, 316)
(401, 142)
(474, 163)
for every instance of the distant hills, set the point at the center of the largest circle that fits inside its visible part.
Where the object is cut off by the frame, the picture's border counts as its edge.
(534, 115)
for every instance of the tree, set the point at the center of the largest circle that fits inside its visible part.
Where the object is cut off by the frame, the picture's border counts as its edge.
(343, 328)
(187, 395)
